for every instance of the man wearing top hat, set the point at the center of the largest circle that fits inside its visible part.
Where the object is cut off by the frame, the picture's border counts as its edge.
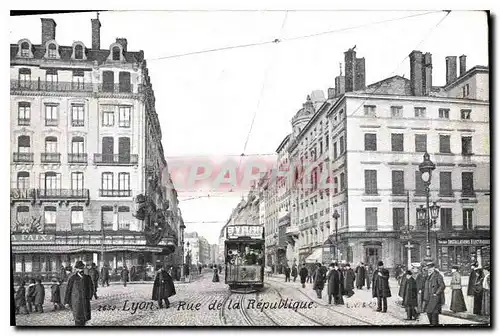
(79, 291)
(433, 294)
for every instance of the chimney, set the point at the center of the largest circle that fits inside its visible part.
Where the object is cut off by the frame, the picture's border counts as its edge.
(96, 33)
(427, 73)
(359, 71)
(48, 30)
(122, 42)
(350, 63)
(463, 65)
(331, 93)
(451, 69)
(416, 73)
(339, 85)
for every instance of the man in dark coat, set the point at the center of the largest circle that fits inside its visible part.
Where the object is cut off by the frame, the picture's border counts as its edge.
(360, 275)
(433, 294)
(419, 276)
(410, 293)
(319, 279)
(62, 273)
(124, 276)
(380, 288)
(105, 275)
(94, 275)
(55, 298)
(287, 273)
(369, 274)
(294, 272)
(303, 274)
(401, 281)
(39, 296)
(475, 288)
(21, 299)
(163, 288)
(30, 296)
(349, 276)
(78, 293)
(335, 287)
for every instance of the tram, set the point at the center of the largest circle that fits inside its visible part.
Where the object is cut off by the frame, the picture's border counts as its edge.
(244, 258)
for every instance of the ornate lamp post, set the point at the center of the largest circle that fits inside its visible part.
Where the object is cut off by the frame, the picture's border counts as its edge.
(429, 214)
(336, 216)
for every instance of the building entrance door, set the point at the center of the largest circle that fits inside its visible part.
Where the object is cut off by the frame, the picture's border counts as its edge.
(373, 254)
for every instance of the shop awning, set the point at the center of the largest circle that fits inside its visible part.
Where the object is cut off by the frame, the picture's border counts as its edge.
(81, 249)
(316, 256)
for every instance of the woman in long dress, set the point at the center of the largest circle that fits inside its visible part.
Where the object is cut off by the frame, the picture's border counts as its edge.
(457, 304)
(485, 309)
(216, 275)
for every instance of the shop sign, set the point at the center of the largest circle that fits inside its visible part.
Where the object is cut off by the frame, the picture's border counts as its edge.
(32, 238)
(464, 241)
(251, 231)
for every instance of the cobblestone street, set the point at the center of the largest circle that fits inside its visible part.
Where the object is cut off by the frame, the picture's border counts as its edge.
(132, 306)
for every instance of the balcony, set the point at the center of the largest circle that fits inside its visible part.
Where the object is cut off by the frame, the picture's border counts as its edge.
(63, 195)
(115, 159)
(77, 158)
(23, 122)
(114, 193)
(51, 158)
(51, 122)
(21, 195)
(468, 193)
(39, 85)
(23, 157)
(115, 88)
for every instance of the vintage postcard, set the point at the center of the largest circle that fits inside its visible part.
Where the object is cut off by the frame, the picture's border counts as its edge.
(250, 168)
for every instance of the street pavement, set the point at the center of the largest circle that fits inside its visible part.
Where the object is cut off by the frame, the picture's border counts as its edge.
(204, 303)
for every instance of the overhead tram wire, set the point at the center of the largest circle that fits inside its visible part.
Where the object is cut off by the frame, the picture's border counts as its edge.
(276, 41)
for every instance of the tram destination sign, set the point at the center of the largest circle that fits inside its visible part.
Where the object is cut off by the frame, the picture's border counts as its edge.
(464, 241)
(251, 231)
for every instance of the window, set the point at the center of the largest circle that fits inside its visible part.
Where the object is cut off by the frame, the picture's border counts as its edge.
(465, 90)
(108, 118)
(51, 145)
(107, 149)
(76, 218)
(398, 182)
(335, 185)
(370, 141)
(124, 80)
(446, 220)
(466, 145)
(23, 144)
(77, 115)
(320, 146)
(371, 219)
(335, 153)
(397, 111)
(371, 182)
(420, 143)
(24, 114)
(78, 52)
(124, 218)
(51, 79)
(51, 118)
(398, 219)
(420, 112)
(24, 77)
(468, 184)
(370, 111)
(445, 187)
(51, 182)
(465, 114)
(124, 116)
(107, 218)
(23, 215)
(108, 81)
(467, 219)
(444, 113)
(23, 180)
(78, 80)
(341, 115)
(342, 181)
(341, 145)
(77, 145)
(52, 50)
(397, 142)
(107, 181)
(327, 142)
(124, 149)
(444, 144)
(76, 181)
(116, 53)
(50, 215)
(25, 49)
(419, 184)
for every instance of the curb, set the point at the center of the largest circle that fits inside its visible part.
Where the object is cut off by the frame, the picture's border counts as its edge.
(466, 316)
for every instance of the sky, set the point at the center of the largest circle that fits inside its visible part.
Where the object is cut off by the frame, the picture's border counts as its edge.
(206, 102)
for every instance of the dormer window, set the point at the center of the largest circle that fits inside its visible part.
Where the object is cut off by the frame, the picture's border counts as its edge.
(116, 53)
(25, 49)
(78, 52)
(52, 50)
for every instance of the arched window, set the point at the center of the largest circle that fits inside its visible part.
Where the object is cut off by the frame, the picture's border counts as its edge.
(23, 180)
(77, 145)
(50, 144)
(78, 52)
(116, 53)
(25, 49)
(52, 50)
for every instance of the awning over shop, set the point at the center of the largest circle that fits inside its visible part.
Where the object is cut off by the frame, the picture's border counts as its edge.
(81, 249)
(316, 256)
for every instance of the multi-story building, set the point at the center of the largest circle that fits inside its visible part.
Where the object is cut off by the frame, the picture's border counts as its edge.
(193, 250)
(269, 192)
(283, 203)
(214, 253)
(204, 251)
(85, 140)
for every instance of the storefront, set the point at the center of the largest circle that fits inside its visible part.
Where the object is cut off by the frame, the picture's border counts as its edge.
(461, 252)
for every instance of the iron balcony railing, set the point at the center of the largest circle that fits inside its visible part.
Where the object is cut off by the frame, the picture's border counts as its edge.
(62, 193)
(23, 157)
(116, 88)
(39, 85)
(51, 157)
(77, 157)
(23, 122)
(118, 159)
(114, 193)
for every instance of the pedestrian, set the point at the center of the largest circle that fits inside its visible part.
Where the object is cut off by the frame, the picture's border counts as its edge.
(369, 273)
(433, 294)
(55, 298)
(335, 286)
(94, 276)
(457, 304)
(163, 288)
(62, 273)
(39, 295)
(380, 287)
(215, 278)
(294, 272)
(360, 275)
(30, 296)
(401, 281)
(287, 273)
(419, 277)
(105, 275)
(200, 269)
(79, 291)
(21, 299)
(475, 288)
(303, 274)
(319, 279)
(309, 274)
(349, 277)
(124, 275)
(132, 273)
(220, 269)
(485, 310)
(410, 294)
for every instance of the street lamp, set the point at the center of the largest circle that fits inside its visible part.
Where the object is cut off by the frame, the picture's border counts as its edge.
(336, 216)
(426, 167)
